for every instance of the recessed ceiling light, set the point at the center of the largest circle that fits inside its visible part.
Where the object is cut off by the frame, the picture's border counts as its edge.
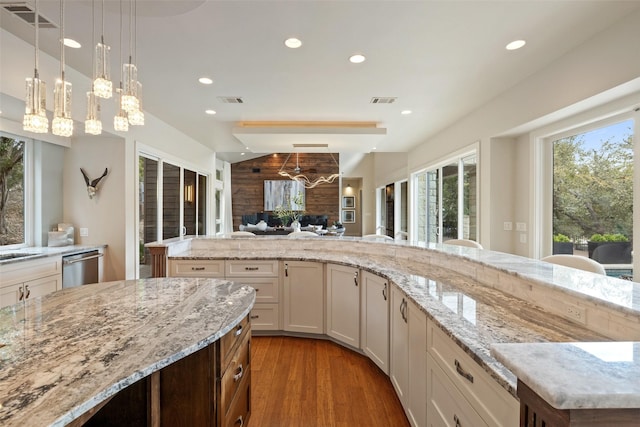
(373, 148)
(516, 44)
(357, 58)
(293, 43)
(205, 80)
(72, 43)
(210, 112)
(406, 112)
(242, 154)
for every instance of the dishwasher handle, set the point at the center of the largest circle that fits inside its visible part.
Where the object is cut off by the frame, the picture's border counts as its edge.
(73, 261)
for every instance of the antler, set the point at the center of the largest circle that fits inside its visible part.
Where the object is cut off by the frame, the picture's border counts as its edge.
(97, 180)
(86, 178)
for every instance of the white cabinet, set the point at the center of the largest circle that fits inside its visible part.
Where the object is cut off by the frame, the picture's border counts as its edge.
(303, 300)
(409, 356)
(446, 407)
(196, 268)
(22, 280)
(374, 320)
(264, 277)
(457, 371)
(343, 304)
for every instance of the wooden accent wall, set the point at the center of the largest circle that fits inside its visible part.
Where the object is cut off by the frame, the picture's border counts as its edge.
(247, 183)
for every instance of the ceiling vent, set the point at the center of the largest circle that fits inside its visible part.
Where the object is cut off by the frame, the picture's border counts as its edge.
(383, 100)
(25, 12)
(231, 99)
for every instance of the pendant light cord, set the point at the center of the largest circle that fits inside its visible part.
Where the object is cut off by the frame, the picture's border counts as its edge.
(35, 72)
(62, 40)
(121, 64)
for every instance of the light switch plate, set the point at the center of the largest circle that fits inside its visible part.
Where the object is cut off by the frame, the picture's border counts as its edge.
(84, 232)
(521, 226)
(507, 226)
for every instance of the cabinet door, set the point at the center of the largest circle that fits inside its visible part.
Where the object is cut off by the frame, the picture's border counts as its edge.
(44, 286)
(303, 297)
(417, 402)
(399, 369)
(343, 304)
(10, 295)
(375, 319)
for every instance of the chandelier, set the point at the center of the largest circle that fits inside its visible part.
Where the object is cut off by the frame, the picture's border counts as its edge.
(302, 178)
(35, 114)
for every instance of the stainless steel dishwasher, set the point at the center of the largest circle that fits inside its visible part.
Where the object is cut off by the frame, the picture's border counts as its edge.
(80, 269)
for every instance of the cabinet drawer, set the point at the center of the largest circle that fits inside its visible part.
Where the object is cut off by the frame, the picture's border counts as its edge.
(266, 287)
(234, 376)
(265, 317)
(445, 404)
(22, 271)
(230, 341)
(250, 268)
(494, 404)
(238, 415)
(196, 268)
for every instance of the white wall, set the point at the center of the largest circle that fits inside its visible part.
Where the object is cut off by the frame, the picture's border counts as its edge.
(111, 217)
(362, 166)
(604, 69)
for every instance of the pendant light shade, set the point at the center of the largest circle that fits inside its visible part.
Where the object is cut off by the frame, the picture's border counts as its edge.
(62, 124)
(35, 112)
(130, 101)
(136, 117)
(120, 120)
(92, 124)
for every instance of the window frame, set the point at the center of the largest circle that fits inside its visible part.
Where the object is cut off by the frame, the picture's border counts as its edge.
(29, 191)
(457, 158)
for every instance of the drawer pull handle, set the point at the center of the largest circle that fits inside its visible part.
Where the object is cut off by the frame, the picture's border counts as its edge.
(384, 292)
(21, 296)
(255, 316)
(237, 376)
(462, 372)
(457, 420)
(252, 268)
(28, 291)
(197, 268)
(239, 421)
(286, 270)
(355, 278)
(239, 332)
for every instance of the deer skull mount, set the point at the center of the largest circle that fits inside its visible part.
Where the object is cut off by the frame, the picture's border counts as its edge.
(92, 185)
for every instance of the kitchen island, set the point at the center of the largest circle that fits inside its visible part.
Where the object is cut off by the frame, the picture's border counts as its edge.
(469, 299)
(65, 355)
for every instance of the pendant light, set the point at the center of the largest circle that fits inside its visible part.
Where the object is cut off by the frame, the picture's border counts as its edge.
(62, 124)
(102, 85)
(120, 121)
(129, 97)
(136, 117)
(92, 124)
(35, 114)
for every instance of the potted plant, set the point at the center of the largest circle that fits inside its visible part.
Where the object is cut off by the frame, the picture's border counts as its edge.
(610, 248)
(562, 244)
(287, 214)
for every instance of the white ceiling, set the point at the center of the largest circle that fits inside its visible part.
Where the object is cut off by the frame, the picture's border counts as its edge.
(441, 59)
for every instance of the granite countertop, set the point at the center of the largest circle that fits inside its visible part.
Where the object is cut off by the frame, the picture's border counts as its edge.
(35, 252)
(474, 316)
(66, 352)
(575, 375)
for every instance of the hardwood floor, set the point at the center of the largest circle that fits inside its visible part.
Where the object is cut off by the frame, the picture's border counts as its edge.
(301, 382)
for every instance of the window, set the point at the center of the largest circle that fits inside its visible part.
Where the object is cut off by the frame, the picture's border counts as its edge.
(445, 201)
(593, 195)
(13, 192)
(173, 196)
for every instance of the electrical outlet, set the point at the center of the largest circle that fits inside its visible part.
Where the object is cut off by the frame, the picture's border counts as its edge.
(523, 238)
(575, 313)
(84, 232)
(507, 226)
